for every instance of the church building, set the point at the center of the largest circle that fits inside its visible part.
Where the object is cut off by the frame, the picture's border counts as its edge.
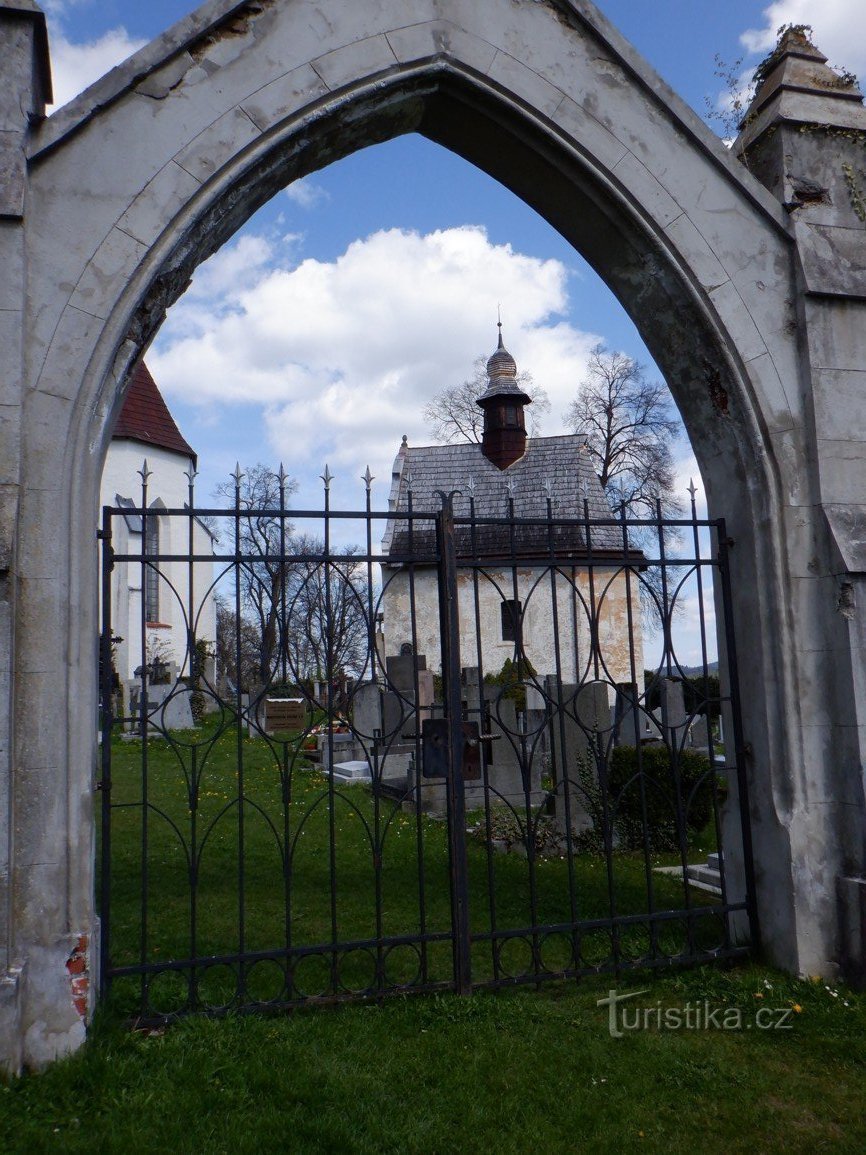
(524, 512)
(171, 611)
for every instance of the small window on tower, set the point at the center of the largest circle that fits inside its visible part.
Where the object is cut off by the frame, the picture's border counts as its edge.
(510, 620)
(510, 414)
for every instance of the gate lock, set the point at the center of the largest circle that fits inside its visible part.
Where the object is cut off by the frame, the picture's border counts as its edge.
(434, 748)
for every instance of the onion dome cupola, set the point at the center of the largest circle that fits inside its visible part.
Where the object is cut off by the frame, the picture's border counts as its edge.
(503, 402)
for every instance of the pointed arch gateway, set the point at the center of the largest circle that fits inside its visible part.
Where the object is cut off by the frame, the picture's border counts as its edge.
(144, 176)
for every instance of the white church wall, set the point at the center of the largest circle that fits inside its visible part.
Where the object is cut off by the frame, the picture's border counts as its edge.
(547, 637)
(166, 635)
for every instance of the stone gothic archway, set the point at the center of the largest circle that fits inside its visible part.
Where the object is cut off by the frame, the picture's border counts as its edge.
(108, 207)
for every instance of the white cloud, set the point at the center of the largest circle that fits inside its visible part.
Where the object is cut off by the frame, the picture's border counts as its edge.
(342, 356)
(306, 194)
(838, 29)
(76, 65)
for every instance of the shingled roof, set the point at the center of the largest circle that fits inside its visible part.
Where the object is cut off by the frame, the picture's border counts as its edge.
(145, 416)
(556, 466)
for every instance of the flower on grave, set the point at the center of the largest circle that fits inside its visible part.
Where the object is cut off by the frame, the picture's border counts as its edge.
(796, 1008)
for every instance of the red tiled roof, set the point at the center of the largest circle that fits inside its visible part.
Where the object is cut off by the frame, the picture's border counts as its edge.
(146, 417)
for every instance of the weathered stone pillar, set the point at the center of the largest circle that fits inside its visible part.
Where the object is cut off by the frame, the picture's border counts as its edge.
(804, 137)
(25, 86)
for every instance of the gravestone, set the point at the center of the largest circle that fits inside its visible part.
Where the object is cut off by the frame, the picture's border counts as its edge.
(580, 723)
(673, 711)
(351, 773)
(630, 720)
(168, 707)
(699, 736)
(367, 711)
(283, 714)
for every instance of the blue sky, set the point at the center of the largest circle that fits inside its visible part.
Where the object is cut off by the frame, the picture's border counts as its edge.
(320, 330)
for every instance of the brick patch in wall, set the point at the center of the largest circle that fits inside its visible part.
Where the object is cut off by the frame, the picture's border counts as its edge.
(79, 974)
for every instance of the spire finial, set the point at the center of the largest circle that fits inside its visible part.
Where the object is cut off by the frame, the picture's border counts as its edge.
(499, 325)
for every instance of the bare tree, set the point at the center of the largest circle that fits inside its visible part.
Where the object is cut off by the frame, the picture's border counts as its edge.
(238, 649)
(629, 425)
(263, 544)
(453, 415)
(327, 629)
(307, 611)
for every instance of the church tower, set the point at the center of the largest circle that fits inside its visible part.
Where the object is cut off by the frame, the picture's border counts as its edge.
(503, 402)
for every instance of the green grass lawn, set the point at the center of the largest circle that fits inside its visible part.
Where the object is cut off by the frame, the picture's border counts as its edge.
(511, 1070)
(508, 1071)
(294, 875)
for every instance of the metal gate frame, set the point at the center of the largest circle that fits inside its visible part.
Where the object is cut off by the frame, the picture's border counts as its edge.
(449, 562)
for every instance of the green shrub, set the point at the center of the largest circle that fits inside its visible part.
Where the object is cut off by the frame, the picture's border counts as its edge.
(660, 790)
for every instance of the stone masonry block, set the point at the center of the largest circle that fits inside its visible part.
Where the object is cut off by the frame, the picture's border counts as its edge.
(700, 257)
(10, 442)
(840, 404)
(10, 363)
(68, 353)
(646, 190)
(441, 37)
(837, 334)
(12, 175)
(790, 448)
(219, 143)
(521, 81)
(12, 263)
(284, 97)
(46, 424)
(589, 133)
(842, 468)
(738, 321)
(169, 192)
(346, 65)
(106, 273)
(782, 410)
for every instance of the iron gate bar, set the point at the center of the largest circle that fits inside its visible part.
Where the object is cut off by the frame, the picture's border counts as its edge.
(648, 873)
(419, 826)
(566, 784)
(106, 697)
(449, 617)
(485, 761)
(724, 544)
(723, 878)
(668, 649)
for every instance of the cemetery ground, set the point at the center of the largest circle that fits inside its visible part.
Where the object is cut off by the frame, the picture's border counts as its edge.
(515, 1070)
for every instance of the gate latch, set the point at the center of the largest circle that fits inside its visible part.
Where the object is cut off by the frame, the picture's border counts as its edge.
(434, 748)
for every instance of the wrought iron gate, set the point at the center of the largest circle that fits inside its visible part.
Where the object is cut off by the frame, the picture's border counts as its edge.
(334, 770)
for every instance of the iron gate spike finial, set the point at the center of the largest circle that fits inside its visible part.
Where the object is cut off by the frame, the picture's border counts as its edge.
(368, 478)
(692, 488)
(511, 486)
(547, 486)
(190, 474)
(282, 476)
(144, 473)
(237, 475)
(409, 480)
(327, 477)
(470, 485)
